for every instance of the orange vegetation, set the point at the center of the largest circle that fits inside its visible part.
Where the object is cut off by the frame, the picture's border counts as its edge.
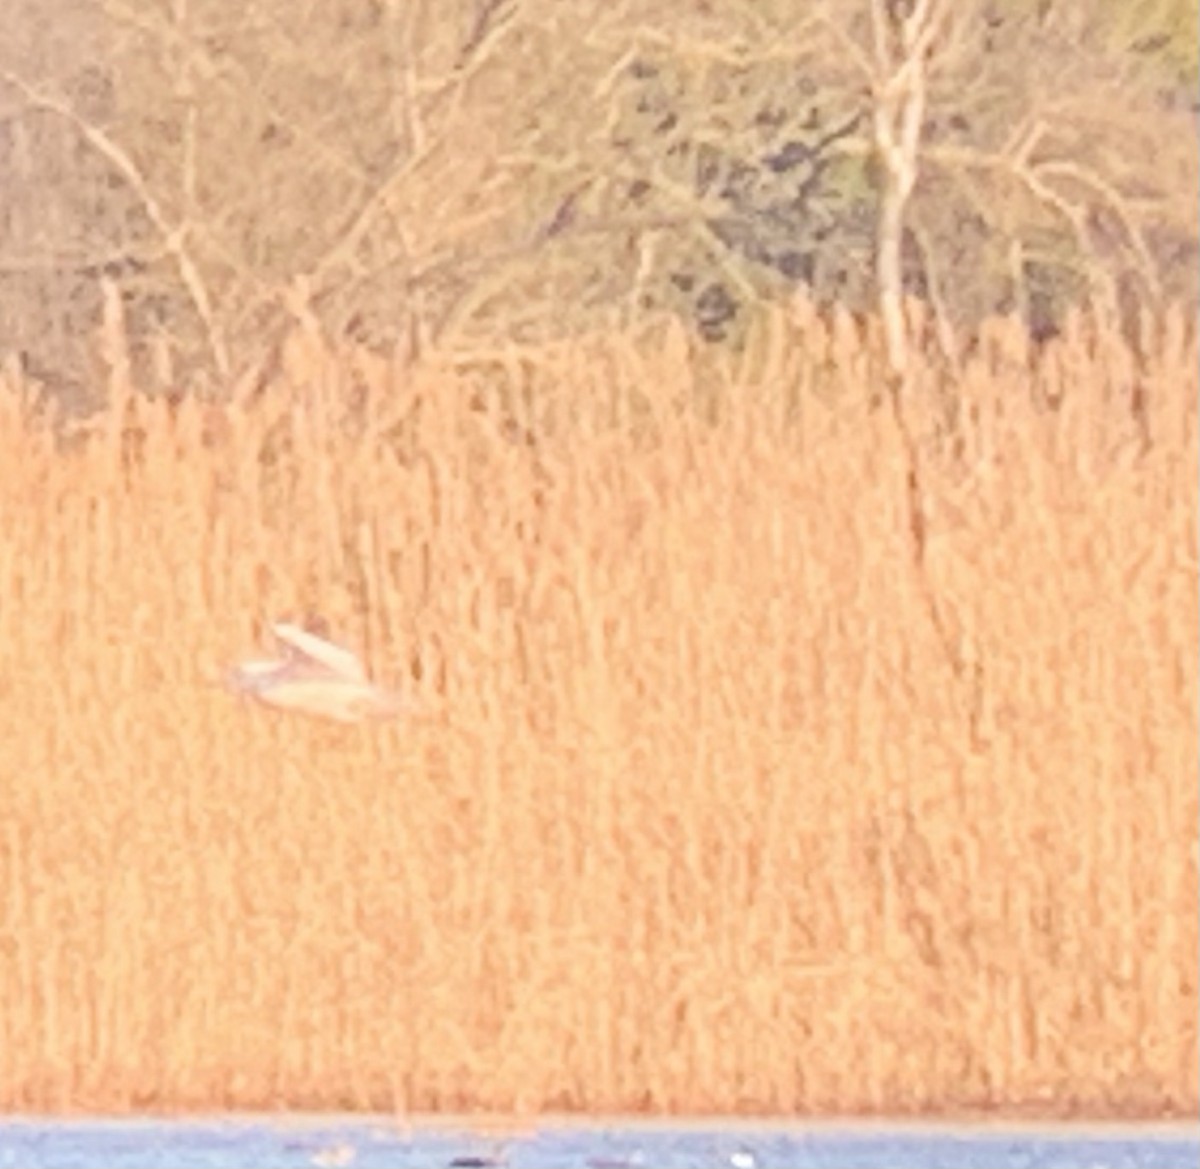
(780, 753)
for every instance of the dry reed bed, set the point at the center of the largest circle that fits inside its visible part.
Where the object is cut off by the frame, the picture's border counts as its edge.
(705, 814)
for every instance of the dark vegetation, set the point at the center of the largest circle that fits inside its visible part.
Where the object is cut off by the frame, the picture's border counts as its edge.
(445, 175)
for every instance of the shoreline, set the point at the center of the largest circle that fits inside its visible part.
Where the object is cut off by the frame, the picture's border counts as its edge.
(501, 1126)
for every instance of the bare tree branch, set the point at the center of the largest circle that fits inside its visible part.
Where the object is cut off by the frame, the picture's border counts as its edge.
(174, 235)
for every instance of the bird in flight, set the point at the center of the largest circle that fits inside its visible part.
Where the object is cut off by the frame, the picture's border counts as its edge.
(314, 676)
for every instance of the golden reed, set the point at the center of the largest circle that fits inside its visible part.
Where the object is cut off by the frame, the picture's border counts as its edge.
(781, 753)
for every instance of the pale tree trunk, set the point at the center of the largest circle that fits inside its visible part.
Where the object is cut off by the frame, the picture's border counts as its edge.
(903, 35)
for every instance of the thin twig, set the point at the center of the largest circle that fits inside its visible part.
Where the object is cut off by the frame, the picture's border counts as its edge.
(174, 235)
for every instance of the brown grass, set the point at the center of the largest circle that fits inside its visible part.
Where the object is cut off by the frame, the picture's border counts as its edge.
(726, 800)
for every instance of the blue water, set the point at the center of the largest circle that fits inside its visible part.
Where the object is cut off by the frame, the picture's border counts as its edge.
(376, 1143)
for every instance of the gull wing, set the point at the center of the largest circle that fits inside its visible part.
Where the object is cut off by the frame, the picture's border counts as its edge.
(336, 660)
(332, 698)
